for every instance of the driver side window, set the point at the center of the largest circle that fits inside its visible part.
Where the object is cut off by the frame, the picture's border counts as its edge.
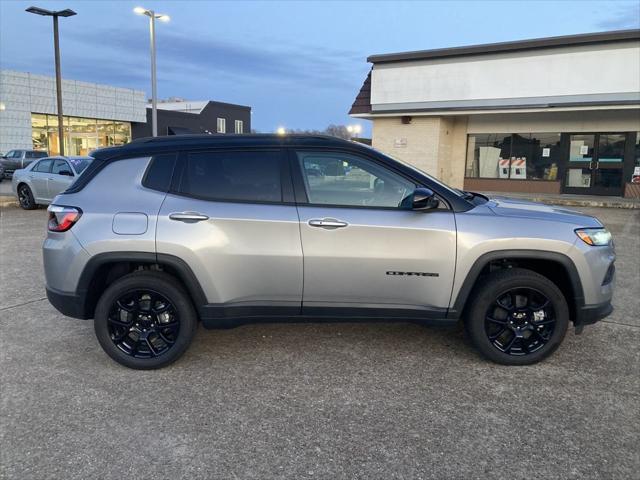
(335, 178)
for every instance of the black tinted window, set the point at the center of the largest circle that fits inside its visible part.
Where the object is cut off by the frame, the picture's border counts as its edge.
(244, 176)
(159, 174)
(59, 166)
(43, 166)
(35, 154)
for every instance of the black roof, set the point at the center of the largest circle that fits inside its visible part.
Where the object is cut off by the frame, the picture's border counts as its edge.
(150, 145)
(519, 45)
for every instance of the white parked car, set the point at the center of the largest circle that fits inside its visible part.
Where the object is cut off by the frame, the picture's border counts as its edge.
(41, 181)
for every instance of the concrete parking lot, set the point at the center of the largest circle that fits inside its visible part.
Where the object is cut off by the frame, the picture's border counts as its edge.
(363, 401)
(5, 187)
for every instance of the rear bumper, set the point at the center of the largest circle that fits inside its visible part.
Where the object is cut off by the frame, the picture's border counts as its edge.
(590, 314)
(68, 304)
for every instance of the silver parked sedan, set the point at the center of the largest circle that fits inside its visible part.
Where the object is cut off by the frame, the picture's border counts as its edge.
(41, 181)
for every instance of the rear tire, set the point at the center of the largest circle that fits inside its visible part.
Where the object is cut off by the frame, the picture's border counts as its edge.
(25, 198)
(145, 320)
(517, 317)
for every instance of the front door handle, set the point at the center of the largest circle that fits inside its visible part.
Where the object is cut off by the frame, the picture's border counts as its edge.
(329, 223)
(188, 217)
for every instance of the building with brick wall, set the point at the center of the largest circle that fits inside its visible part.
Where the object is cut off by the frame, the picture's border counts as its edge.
(550, 115)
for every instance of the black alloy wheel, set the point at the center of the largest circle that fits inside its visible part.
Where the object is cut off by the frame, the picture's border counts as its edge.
(145, 320)
(520, 321)
(516, 316)
(143, 324)
(25, 198)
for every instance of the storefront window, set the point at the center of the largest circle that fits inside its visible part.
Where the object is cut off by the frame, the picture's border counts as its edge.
(517, 156)
(486, 153)
(122, 133)
(81, 135)
(105, 130)
(39, 132)
(537, 154)
(53, 139)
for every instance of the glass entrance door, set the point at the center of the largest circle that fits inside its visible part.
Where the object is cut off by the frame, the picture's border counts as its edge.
(595, 164)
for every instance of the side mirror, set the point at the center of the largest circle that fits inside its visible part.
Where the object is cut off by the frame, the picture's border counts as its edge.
(424, 199)
(66, 173)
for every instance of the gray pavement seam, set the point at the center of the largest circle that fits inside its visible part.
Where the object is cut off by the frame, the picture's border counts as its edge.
(2, 309)
(620, 323)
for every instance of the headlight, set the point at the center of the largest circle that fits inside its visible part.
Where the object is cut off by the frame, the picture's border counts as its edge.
(596, 237)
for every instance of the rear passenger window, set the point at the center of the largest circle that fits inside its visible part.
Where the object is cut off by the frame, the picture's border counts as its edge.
(233, 176)
(160, 171)
(59, 166)
(43, 166)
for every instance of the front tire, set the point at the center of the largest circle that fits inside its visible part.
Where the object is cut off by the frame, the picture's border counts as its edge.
(517, 317)
(25, 198)
(145, 320)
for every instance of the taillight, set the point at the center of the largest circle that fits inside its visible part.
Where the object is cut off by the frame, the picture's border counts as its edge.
(61, 218)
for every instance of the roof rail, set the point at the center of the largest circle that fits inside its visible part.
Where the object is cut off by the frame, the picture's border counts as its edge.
(213, 137)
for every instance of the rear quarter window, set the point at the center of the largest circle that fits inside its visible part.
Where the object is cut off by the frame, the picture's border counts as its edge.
(159, 172)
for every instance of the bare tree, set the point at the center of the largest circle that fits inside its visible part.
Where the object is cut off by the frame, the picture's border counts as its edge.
(332, 130)
(339, 131)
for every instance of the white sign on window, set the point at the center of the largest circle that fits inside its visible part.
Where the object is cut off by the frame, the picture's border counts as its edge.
(546, 152)
(584, 149)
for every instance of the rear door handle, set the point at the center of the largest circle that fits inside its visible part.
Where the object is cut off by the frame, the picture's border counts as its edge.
(188, 217)
(329, 223)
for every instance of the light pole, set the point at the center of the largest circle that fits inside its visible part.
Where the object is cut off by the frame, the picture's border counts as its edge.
(56, 44)
(152, 34)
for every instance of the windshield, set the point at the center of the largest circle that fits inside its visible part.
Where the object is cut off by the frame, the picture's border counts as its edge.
(80, 164)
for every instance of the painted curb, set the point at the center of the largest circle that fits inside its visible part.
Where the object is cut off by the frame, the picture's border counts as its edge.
(588, 203)
(8, 201)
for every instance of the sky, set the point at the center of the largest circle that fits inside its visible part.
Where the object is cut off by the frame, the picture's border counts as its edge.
(297, 64)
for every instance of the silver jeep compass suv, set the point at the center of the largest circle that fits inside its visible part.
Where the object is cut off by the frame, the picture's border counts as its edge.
(163, 232)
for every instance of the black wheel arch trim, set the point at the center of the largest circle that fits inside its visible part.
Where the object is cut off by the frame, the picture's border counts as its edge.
(482, 261)
(179, 266)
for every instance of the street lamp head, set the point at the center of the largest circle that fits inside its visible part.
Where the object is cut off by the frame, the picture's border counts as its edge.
(140, 10)
(40, 11)
(50, 13)
(163, 18)
(66, 13)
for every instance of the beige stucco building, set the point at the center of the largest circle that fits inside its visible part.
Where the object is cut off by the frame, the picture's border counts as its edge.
(554, 115)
